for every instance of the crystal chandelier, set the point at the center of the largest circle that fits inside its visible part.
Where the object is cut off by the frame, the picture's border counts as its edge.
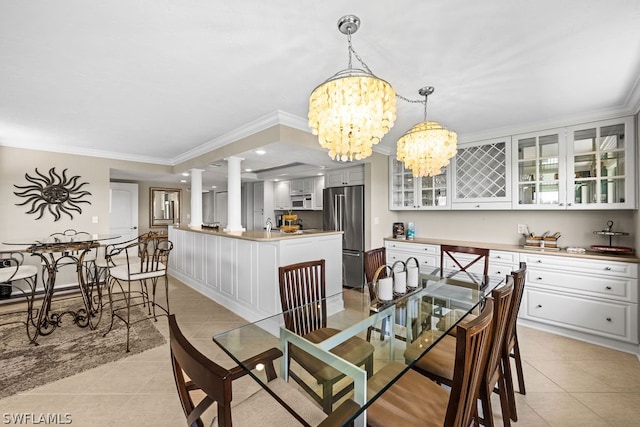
(353, 109)
(428, 146)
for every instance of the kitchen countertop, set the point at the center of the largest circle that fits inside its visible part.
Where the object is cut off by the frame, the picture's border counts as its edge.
(518, 248)
(260, 235)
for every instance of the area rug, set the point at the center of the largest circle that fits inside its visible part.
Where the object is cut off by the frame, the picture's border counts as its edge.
(68, 350)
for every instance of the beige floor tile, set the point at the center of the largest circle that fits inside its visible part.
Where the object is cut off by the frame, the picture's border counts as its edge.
(570, 376)
(562, 409)
(619, 409)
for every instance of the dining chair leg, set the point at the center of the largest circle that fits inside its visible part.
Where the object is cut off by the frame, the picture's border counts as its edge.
(128, 322)
(510, 391)
(504, 401)
(519, 371)
(109, 292)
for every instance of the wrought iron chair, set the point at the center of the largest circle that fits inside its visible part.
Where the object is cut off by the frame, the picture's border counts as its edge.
(146, 263)
(302, 294)
(194, 372)
(415, 400)
(12, 270)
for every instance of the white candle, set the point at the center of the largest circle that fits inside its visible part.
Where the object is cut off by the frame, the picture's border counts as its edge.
(385, 289)
(400, 282)
(412, 277)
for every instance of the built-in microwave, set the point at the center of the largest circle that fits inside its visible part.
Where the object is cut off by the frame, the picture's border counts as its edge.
(302, 202)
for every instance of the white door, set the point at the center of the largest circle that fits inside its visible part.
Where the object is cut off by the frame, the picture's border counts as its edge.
(221, 208)
(123, 210)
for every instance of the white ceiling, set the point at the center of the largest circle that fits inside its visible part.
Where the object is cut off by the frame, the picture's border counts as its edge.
(153, 80)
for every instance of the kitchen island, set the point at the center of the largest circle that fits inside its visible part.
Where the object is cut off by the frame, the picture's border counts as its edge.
(240, 269)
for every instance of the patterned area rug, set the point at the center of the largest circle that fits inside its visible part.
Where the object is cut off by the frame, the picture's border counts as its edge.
(68, 350)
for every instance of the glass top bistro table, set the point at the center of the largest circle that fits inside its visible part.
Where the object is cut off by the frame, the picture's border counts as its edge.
(421, 316)
(59, 250)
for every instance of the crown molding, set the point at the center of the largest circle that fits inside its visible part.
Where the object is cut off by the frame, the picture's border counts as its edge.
(65, 149)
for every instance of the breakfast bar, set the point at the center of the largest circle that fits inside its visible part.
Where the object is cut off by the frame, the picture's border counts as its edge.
(240, 269)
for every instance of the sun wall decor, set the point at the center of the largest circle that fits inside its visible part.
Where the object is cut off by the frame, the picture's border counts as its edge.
(55, 193)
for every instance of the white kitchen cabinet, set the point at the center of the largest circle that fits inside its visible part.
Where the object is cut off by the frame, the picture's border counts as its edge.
(481, 175)
(540, 174)
(426, 255)
(318, 187)
(301, 186)
(592, 300)
(281, 195)
(347, 176)
(407, 192)
(601, 165)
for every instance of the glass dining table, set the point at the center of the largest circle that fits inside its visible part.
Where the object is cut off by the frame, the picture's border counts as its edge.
(415, 321)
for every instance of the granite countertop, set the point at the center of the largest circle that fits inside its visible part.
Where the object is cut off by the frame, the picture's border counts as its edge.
(260, 235)
(518, 248)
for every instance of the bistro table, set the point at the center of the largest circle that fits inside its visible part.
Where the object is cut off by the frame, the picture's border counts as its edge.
(59, 250)
(420, 329)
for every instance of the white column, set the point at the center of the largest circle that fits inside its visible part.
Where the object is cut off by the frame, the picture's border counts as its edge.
(196, 198)
(234, 199)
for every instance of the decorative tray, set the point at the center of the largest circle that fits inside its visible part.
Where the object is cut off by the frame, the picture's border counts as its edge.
(614, 249)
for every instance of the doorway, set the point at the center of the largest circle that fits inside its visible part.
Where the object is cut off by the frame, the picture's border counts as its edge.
(123, 211)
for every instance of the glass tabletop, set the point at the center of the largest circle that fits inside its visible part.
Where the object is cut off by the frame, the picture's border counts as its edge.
(405, 329)
(61, 239)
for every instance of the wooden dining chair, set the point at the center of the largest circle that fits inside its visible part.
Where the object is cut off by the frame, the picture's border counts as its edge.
(302, 294)
(193, 372)
(415, 400)
(373, 260)
(146, 264)
(511, 347)
(439, 362)
(449, 253)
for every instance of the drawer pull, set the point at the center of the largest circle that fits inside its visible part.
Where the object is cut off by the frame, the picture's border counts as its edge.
(608, 288)
(539, 261)
(538, 278)
(608, 268)
(608, 319)
(498, 272)
(498, 257)
(539, 306)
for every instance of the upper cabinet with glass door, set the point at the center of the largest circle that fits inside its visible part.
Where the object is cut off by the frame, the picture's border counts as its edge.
(409, 193)
(539, 179)
(601, 165)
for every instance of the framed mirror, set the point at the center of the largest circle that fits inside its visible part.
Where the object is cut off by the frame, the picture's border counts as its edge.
(164, 206)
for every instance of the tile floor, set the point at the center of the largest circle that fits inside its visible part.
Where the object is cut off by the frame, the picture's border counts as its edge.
(569, 383)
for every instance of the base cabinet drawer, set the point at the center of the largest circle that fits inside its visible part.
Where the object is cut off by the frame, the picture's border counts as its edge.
(606, 318)
(417, 248)
(427, 263)
(620, 288)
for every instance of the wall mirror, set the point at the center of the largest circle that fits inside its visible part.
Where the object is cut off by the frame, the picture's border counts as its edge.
(164, 206)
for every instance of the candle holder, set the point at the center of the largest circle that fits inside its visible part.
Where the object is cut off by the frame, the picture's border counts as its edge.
(413, 273)
(383, 287)
(399, 278)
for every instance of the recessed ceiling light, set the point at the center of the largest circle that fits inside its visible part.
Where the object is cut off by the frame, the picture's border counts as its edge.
(320, 174)
(183, 180)
(215, 165)
(260, 152)
(185, 173)
(247, 170)
(214, 186)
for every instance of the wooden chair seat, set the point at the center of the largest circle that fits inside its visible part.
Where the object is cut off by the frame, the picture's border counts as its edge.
(356, 350)
(398, 408)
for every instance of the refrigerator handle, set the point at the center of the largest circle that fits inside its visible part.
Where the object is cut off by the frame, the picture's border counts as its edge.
(339, 203)
(355, 254)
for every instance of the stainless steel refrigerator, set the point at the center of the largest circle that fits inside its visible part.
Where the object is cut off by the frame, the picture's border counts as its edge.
(343, 210)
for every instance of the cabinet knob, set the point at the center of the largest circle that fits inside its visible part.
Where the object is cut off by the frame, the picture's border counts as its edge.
(539, 306)
(608, 268)
(499, 257)
(569, 204)
(538, 278)
(498, 272)
(477, 206)
(539, 261)
(608, 288)
(560, 204)
(608, 319)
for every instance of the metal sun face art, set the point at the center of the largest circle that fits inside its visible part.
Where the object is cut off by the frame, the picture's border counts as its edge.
(55, 193)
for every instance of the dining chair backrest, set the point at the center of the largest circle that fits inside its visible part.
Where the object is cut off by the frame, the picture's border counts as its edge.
(519, 278)
(302, 286)
(206, 375)
(473, 341)
(374, 259)
(502, 297)
(448, 252)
